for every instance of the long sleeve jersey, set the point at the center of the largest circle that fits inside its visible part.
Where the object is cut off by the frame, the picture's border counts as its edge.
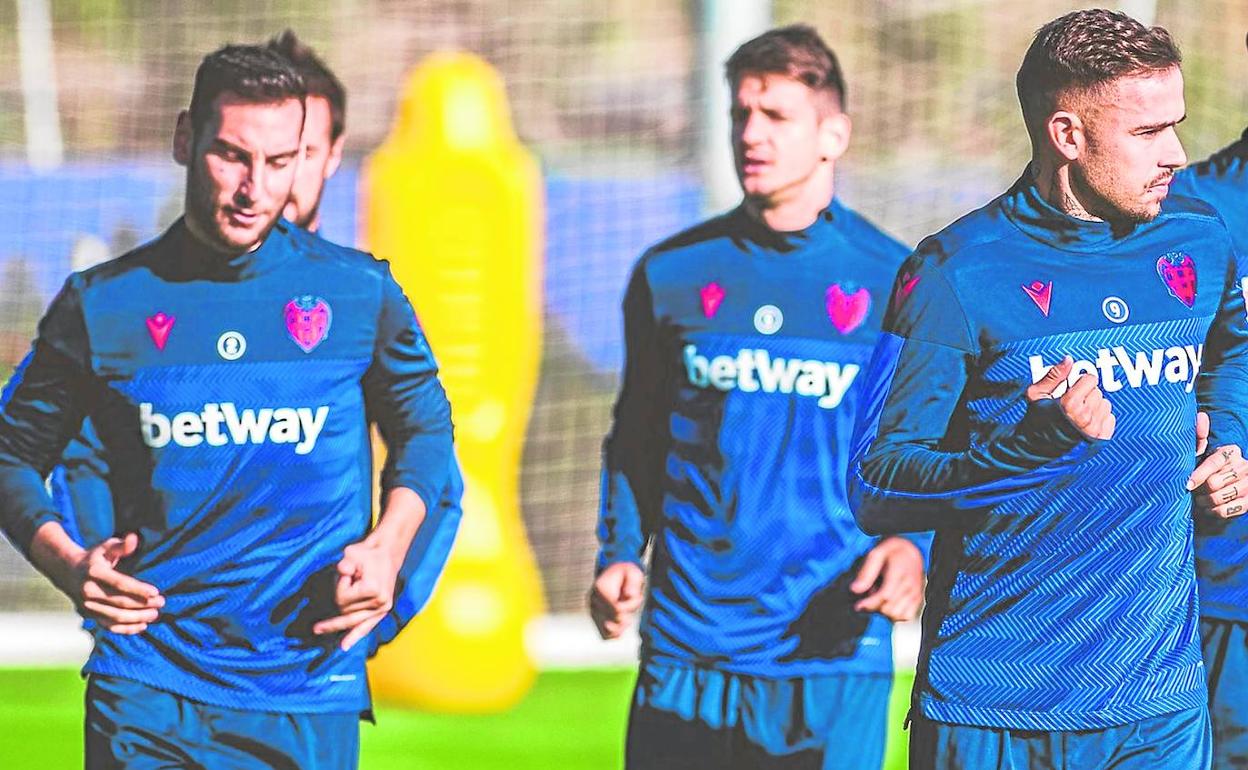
(232, 399)
(745, 351)
(1222, 545)
(1062, 593)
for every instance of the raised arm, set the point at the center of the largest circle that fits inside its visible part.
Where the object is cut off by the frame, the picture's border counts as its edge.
(908, 473)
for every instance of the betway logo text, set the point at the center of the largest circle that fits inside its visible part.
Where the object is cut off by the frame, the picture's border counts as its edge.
(1117, 368)
(755, 370)
(221, 424)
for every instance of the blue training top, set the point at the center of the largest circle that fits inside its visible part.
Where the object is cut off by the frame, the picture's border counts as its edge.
(81, 493)
(1062, 593)
(1222, 545)
(232, 399)
(745, 351)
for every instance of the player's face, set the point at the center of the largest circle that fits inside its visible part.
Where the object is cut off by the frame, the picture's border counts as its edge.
(1131, 147)
(240, 167)
(781, 135)
(321, 156)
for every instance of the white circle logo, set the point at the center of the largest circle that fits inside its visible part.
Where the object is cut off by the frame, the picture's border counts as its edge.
(1115, 309)
(231, 346)
(768, 319)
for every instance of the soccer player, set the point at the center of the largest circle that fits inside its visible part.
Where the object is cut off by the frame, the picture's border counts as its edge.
(79, 483)
(324, 130)
(323, 137)
(767, 630)
(1038, 384)
(231, 368)
(1222, 180)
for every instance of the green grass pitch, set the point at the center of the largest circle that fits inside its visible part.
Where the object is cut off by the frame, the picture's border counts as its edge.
(571, 719)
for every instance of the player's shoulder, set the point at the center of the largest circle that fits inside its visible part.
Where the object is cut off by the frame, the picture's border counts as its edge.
(320, 250)
(867, 237)
(138, 260)
(692, 245)
(1197, 219)
(1185, 206)
(705, 234)
(965, 240)
(1226, 168)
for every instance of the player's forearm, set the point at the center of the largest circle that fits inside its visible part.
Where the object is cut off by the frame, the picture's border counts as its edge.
(1222, 387)
(911, 487)
(628, 485)
(400, 520)
(414, 417)
(55, 554)
(25, 506)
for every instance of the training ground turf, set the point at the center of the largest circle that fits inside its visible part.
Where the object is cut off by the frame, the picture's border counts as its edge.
(573, 720)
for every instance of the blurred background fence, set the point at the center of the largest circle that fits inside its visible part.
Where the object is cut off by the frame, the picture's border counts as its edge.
(608, 93)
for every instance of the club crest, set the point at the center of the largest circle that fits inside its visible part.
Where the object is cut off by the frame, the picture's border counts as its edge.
(307, 321)
(847, 311)
(1178, 272)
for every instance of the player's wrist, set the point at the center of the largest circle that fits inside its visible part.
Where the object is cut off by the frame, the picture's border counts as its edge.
(1047, 431)
(380, 542)
(56, 555)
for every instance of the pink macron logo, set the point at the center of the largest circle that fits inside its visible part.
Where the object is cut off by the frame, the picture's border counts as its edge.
(1041, 294)
(905, 286)
(712, 295)
(159, 326)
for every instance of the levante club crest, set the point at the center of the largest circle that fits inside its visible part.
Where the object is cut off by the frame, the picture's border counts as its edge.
(1178, 272)
(847, 310)
(307, 321)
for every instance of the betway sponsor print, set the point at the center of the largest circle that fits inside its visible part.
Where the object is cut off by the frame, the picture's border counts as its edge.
(220, 424)
(1117, 368)
(754, 370)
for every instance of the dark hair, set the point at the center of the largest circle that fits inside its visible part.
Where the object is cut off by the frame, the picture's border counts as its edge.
(318, 78)
(796, 51)
(1087, 49)
(249, 71)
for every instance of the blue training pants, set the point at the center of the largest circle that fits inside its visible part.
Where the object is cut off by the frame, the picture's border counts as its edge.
(1226, 665)
(1179, 741)
(131, 726)
(688, 718)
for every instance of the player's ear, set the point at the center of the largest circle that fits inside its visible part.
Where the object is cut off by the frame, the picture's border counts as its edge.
(183, 137)
(834, 131)
(335, 155)
(1064, 130)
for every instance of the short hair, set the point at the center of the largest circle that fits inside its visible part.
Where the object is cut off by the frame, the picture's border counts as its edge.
(250, 72)
(319, 79)
(796, 51)
(1087, 49)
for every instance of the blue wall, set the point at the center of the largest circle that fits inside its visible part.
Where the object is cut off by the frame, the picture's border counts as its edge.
(595, 229)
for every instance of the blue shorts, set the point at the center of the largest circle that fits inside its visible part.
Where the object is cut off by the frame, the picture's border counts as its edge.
(131, 726)
(686, 718)
(1226, 664)
(1179, 741)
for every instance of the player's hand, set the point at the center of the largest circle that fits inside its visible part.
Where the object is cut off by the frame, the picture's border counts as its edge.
(616, 596)
(118, 602)
(1082, 404)
(891, 577)
(1202, 433)
(364, 592)
(1219, 485)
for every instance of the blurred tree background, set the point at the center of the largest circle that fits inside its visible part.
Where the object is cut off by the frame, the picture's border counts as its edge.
(605, 92)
